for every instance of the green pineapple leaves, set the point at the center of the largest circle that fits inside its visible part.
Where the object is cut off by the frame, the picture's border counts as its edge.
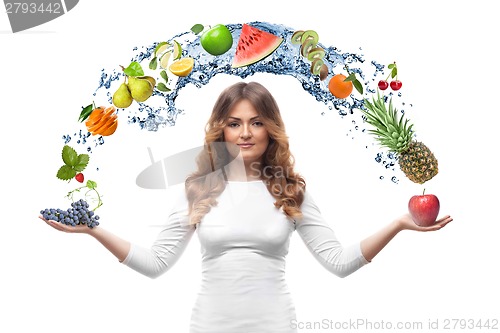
(391, 131)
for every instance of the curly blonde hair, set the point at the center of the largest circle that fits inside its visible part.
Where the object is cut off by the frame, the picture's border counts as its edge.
(209, 181)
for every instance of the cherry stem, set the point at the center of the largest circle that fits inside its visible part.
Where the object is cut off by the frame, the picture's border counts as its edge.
(423, 193)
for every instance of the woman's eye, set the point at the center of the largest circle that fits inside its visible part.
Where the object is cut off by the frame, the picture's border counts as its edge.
(258, 123)
(233, 125)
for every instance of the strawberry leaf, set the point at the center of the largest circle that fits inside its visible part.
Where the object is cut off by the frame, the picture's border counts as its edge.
(82, 162)
(69, 156)
(66, 172)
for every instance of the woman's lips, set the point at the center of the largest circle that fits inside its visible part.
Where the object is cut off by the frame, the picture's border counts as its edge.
(246, 145)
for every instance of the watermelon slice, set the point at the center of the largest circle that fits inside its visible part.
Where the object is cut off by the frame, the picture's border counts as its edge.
(254, 45)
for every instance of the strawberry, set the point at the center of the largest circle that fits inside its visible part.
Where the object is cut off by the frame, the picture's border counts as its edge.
(79, 177)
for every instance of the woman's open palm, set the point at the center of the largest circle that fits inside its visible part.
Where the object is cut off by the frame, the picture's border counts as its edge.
(407, 223)
(81, 228)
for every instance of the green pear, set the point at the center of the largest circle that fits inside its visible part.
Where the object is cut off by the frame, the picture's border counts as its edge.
(122, 97)
(140, 88)
(149, 78)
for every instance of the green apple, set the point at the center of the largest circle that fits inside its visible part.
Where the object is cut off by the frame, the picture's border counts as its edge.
(217, 40)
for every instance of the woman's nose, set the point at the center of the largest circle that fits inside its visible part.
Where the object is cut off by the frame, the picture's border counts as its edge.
(245, 132)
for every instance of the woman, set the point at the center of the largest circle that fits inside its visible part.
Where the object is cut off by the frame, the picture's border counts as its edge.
(245, 200)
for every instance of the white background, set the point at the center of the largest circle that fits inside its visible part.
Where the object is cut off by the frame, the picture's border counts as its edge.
(449, 68)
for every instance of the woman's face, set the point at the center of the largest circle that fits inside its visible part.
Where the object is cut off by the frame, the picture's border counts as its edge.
(245, 129)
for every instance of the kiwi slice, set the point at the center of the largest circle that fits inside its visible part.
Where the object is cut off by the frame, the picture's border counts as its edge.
(316, 66)
(306, 47)
(323, 72)
(316, 53)
(296, 38)
(310, 34)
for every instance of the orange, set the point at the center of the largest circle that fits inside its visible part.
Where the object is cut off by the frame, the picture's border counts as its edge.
(102, 121)
(338, 87)
(110, 129)
(94, 116)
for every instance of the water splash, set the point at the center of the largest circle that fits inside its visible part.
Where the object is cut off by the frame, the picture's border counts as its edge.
(286, 60)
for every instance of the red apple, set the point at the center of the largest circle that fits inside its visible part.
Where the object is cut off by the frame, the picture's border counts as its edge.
(424, 209)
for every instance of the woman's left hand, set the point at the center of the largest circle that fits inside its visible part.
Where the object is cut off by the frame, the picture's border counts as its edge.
(406, 223)
(372, 245)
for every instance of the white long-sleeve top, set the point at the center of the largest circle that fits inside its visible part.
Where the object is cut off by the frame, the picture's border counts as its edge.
(244, 242)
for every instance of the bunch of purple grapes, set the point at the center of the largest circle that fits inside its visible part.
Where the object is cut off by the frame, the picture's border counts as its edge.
(79, 213)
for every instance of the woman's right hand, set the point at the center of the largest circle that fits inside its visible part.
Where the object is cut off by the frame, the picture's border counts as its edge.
(117, 246)
(80, 229)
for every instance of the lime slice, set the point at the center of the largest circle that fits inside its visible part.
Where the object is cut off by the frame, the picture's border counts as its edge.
(164, 59)
(177, 50)
(160, 48)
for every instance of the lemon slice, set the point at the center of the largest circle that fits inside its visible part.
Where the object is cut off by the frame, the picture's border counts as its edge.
(164, 59)
(182, 67)
(177, 50)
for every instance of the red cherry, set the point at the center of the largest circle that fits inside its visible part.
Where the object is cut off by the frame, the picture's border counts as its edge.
(383, 85)
(79, 177)
(396, 85)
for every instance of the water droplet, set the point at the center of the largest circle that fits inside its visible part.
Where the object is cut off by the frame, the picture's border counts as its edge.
(284, 61)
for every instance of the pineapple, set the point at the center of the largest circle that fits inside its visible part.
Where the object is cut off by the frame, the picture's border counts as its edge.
(415, 160)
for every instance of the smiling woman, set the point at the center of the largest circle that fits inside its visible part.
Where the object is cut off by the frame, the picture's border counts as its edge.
(245, 209)
(247, 116)
(246, 130)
